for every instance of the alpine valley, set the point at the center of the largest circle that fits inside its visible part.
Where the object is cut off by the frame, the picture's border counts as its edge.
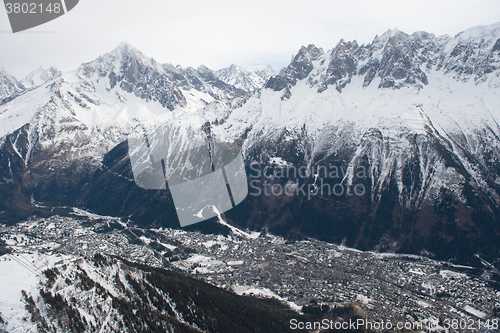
(389, 148)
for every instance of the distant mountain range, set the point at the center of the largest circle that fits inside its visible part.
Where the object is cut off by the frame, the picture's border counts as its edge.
(246, 80)
(408, 123)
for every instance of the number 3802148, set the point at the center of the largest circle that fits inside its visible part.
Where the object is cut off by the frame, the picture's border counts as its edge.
(32, 8)
(471, 324)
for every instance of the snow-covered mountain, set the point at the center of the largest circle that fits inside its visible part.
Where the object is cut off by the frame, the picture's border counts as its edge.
(39, 76)
(396, 60)
(9, 86)
(92, 109)
(412, 120)
(244, 79)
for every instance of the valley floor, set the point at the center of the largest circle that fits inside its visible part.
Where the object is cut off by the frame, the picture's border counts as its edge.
(384, 287)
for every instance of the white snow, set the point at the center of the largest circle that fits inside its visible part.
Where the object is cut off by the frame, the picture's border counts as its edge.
(168, 246)
(278, 161)
(20, 271)
(414, 271)
(210, 243)
(475, 312)
(363, 299)
(423, 304)
(22, 109)
(247, 290)
(236, 231)
(446, 274)
(201, 264)
(145, 239)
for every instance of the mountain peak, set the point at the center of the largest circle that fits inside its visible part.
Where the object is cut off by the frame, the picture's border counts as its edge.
(266, 72)
(120, 59)
(203, 69)
(39, 76)
(394, 36)
(393, 32)
(125, 51)
(125, 47)
(236, 68)
(311, 52)
(391, 35)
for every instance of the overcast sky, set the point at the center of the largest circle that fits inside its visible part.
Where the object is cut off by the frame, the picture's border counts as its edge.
(217, 33)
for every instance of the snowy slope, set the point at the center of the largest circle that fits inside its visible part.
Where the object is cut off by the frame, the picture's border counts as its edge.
(21, 272)
(71, 293)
